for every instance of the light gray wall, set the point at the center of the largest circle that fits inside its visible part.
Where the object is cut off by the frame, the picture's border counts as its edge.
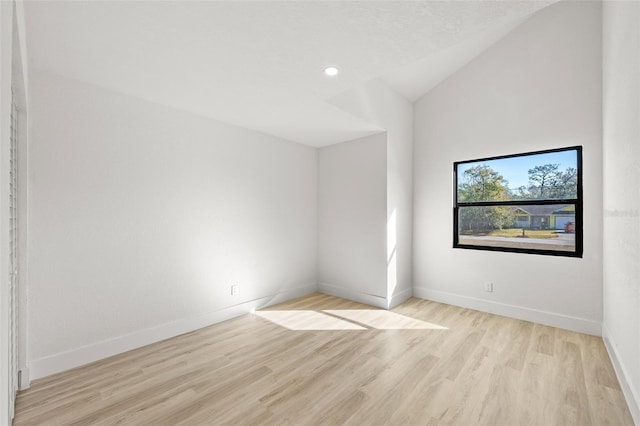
(6, 30)
(377, 103)
(537, 88)
(142, 217)
(352, 210)
(621, 154)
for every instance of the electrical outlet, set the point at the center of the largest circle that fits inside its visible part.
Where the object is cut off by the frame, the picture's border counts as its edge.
(234, 289)
(488, 287)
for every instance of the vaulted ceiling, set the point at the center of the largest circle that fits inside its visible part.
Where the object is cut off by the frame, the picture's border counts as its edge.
(258, 64)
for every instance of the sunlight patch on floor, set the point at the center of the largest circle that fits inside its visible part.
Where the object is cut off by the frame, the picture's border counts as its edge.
(307, 320)
(384, 320)
(345, 319)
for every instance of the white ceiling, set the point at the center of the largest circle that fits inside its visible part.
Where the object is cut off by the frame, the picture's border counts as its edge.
(258, 64)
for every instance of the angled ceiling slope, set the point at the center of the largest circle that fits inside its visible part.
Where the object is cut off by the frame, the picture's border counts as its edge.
(258, 64)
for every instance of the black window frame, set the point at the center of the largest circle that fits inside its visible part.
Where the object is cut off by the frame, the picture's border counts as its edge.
(577, 202)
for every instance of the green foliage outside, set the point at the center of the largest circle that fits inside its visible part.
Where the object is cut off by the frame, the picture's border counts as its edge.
(482, 183)
(548, 181)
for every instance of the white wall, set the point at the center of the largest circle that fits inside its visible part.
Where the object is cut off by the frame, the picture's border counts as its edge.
(20, 79)
(352, 212)
(142, 216)
(378, 104)
(537, 88)
(13, 85)
(6, 30)
(621, 154)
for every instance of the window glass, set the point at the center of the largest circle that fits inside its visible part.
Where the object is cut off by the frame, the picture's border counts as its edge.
(541, 227)
(545, 176)
(529, 203)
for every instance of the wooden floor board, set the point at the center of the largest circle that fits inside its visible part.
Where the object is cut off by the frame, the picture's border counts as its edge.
(322, 360)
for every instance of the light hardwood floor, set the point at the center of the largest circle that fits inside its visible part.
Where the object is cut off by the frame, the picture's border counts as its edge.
(325, 360)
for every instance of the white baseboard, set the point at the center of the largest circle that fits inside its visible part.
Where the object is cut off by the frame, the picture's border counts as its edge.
(400, 297)
(83, 355)
(283, 296)
(356, 296)
(580, 325)
(25, 379)
(631, 394)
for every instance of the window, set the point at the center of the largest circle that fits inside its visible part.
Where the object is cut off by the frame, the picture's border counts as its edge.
(525, 203)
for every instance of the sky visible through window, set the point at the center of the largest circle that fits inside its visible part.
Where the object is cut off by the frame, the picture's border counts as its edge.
(516, 169)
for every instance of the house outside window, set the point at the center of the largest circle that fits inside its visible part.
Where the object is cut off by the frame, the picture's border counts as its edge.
(526, 203)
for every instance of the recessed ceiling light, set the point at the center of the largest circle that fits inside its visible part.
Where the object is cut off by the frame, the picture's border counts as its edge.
(331, 71)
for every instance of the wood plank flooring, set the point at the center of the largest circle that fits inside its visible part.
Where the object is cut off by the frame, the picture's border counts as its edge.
(321, 360)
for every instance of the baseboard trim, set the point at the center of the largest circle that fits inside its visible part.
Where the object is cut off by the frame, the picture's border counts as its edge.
(631, 395)
(400, 297)
(76, 357)
(25, 379)
(580, 325)
(356, 296)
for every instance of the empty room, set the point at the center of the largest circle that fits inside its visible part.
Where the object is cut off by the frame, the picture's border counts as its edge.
(319, 212)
